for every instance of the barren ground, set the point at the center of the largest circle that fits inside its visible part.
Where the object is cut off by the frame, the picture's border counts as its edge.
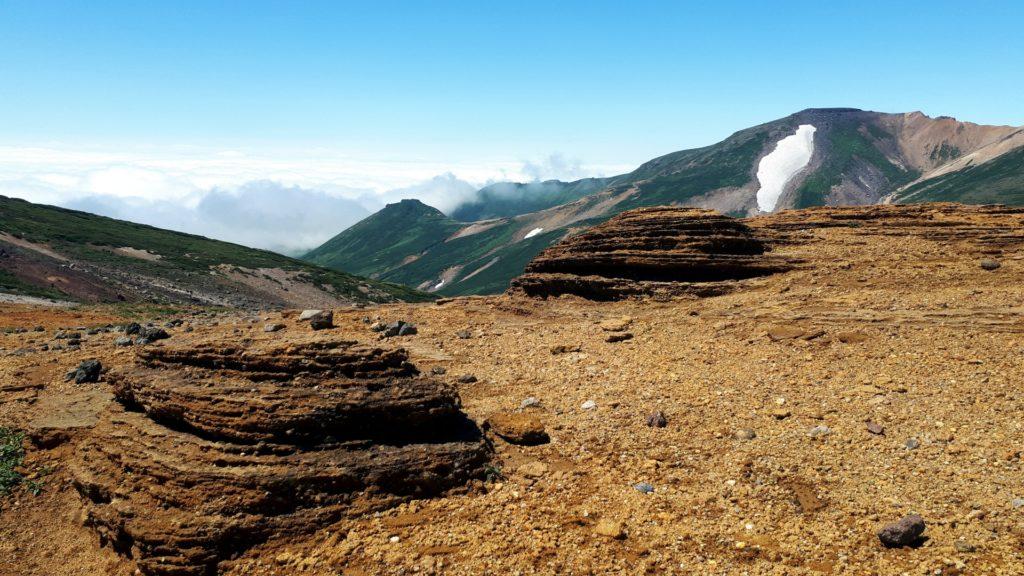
(914, 337)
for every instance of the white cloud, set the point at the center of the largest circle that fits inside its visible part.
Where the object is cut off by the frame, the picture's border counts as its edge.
(285, 200)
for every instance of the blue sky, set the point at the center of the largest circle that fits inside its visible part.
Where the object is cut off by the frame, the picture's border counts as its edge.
(390, 94)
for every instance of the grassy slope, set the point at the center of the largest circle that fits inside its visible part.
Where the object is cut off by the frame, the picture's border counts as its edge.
(88, 237)
(999, 181)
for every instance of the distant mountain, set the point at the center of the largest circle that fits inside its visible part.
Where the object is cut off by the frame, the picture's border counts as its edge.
(57, 253)
(832, 156)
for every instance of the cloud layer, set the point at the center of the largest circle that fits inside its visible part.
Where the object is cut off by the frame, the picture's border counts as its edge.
(283, 200)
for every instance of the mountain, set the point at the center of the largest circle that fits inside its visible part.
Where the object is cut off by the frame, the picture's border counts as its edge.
(816, 157)
(58, 253)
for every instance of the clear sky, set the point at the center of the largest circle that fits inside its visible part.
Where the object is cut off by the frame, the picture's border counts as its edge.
(378, 94)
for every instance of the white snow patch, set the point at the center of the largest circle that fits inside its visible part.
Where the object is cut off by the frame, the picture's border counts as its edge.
(775, 170)
(533, 233)
(439, 284)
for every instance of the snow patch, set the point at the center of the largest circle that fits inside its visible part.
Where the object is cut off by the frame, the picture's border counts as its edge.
(533, 233)
(439, 284)
(775, 170)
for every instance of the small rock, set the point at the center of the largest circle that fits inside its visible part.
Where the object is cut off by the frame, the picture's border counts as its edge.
(533, 469)
(438, 370)
(518, 428)
(153, 334)
(619, 337)
(778, 333)
(274, 327)
(852, 337)
(399, 328)
(781, 413)
(616, 324)
(530, 402)
(876, 429)
(467, 379)
(588, 405)
(964, 547)
(903, 533)
(378, 326)
(88, 371)
(610, 529)
(132, 329)
(1017, 502)
(989, 264)
(308, 314)
(819, 431)
(744, 434)
(464, 334)
(123, 341)
(322, 320)
(564, 349)
(657, 420)
(912, 444)
(644, 488)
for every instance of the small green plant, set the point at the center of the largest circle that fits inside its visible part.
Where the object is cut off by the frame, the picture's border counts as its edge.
(12, 455)
(493, 473)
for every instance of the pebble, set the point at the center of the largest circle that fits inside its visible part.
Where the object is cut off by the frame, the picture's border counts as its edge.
(588, 405)
(819, 431)
(644, 488)
(610, 529)
(467, 379)
(531, 402)
(273, 327)
(123, 341)
(781, 413)
(902, 533)
(744, 434)
(438, 370)
(876, 429)
(989, 264)
(912, 444)
(657, 420)
(964, 546)
(1017, 502)
(464, 334)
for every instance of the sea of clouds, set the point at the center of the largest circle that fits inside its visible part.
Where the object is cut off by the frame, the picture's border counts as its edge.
(286, 201)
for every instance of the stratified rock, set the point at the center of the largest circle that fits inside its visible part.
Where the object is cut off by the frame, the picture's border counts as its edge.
(651, 252)
(906, 532)
(225, 445)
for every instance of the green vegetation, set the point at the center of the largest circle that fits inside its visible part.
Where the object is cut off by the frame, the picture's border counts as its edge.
(945, 153)
(12, 457)
(998, 181)
(11, 284)
(848, 146)
(178, 257)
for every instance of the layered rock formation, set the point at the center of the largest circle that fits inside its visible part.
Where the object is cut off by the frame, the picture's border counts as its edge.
(220, 446)
(651, 252)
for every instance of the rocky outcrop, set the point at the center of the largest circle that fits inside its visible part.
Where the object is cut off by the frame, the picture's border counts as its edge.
(218, 447)
(650, 252)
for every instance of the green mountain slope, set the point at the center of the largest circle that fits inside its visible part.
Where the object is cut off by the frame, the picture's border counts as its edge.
(82, 256)
(999, 181)
(506, 199)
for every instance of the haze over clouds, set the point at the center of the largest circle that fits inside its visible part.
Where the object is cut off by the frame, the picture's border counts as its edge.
(282, 200)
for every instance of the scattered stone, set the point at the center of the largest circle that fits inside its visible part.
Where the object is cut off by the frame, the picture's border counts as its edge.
(876, 429)
(906, 532)
(467, 379)
(274, 327)
(644, 488)
(616, 324)
(322, 320)
(378, 326)
(588, 405)
(518, 428)
(123, 341)
(153, 334)
(1017, 502)
(309, 314)
(438, 370)
(39, 329)
(133, 328)
(464, 334)
(781, 413)
(88, 371)
(564, 349)
(534, 469)
(819, 431)
(399, 328)
(964, 547)
(990, 264)
(912, 444)
(657, 420)
(744, 434)
(610, 529)
(619, 337)
(530, 402)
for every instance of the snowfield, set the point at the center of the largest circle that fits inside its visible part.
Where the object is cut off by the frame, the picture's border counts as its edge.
(533, 233)
(775, 170)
